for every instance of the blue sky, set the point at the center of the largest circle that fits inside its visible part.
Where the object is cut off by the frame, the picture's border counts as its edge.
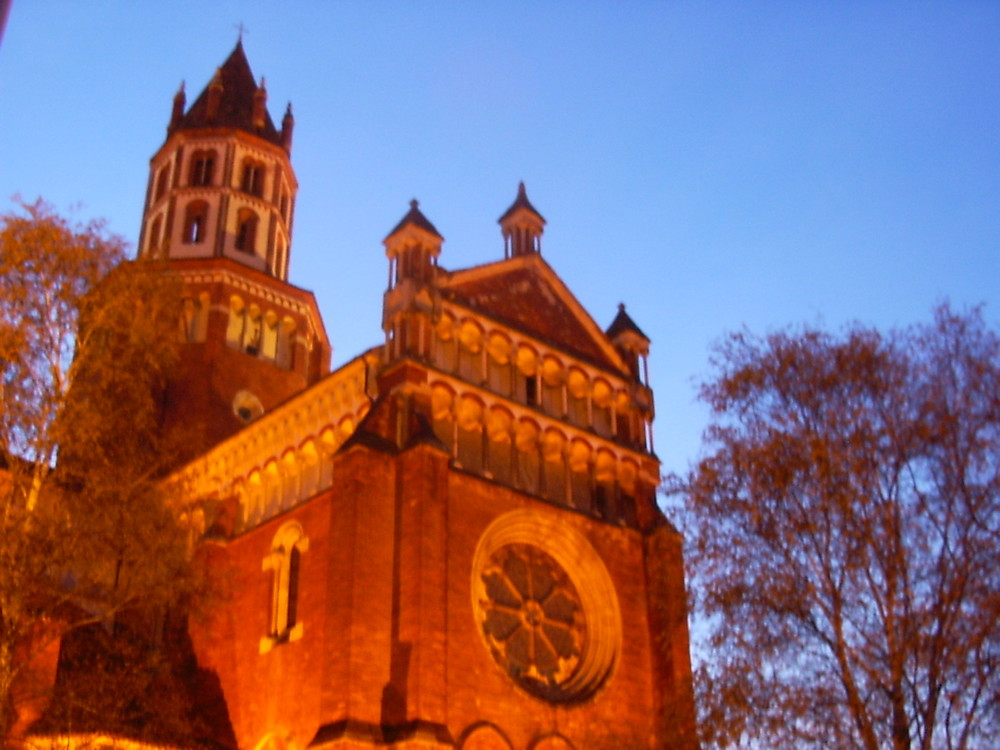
(713, 165)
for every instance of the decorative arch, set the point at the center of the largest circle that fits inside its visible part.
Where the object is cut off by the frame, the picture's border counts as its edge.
(442, 413)
(554, 465)
(470, 351)
(526, 386)
(551, 742)
(498, 363)
(469, 434)
(578, 397)
(602, 396)
(528, 475)
(500, 452)
(484, 737)
(309, 476)
(291, 478)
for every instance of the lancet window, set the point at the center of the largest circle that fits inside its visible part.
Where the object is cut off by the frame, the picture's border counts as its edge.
(285, 563)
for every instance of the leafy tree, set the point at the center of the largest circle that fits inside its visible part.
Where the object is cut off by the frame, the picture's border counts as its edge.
(845, 535)
(87, 532)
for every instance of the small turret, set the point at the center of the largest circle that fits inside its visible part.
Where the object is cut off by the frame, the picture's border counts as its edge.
(522, 227)
(631, 343)
(412, 247)
(287, 125)
(180, 100)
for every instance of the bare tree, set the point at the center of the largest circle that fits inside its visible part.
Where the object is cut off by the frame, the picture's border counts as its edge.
(845, 538)
(87, 532)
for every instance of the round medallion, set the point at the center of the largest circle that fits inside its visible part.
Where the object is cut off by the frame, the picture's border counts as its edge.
(532, 619)
(545, 607)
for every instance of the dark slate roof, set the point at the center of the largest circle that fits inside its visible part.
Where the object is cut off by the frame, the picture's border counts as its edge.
(236, 102)
(622, 323)
(415, 217)
(521, 201)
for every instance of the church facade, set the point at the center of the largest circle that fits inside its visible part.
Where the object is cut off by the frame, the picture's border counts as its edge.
(450, 541)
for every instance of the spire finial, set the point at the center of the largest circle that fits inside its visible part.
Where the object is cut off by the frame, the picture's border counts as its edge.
(521, 192)
(240, 29)
(621, 307)
(414, 203)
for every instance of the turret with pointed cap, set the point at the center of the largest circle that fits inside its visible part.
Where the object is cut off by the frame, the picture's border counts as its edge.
(631, 342)
(412, 247)
(522, 226)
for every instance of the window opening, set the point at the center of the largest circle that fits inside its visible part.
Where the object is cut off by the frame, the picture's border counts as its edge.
(202, 167)
(253, 178)
(285, 564)
(531, 390)
(246, 232)
(195, 219)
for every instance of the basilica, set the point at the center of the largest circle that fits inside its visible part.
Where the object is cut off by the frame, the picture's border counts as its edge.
(450, 541)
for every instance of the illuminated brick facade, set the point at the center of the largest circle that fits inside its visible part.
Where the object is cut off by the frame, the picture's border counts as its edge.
(451, 541)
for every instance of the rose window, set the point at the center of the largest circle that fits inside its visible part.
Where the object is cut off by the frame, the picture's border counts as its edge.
(532, 619)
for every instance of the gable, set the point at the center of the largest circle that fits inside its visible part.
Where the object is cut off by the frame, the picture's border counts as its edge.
(526, 294)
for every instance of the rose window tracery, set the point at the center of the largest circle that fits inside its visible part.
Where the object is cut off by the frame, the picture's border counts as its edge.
(532, 619)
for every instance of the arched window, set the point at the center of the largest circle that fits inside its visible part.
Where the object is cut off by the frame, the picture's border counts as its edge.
(246, 231)
(161, 182)
(253, 177)
(285, 564)
(202, 167)
(195, 222)
(153, 244)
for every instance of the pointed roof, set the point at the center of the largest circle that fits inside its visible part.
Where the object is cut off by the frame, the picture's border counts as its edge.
(526, 294)
(236, 102)
(622, 323)
(520, 202)
(415, 217)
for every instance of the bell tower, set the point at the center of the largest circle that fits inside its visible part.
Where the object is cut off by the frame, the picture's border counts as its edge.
(219, 207)
(222, 185)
